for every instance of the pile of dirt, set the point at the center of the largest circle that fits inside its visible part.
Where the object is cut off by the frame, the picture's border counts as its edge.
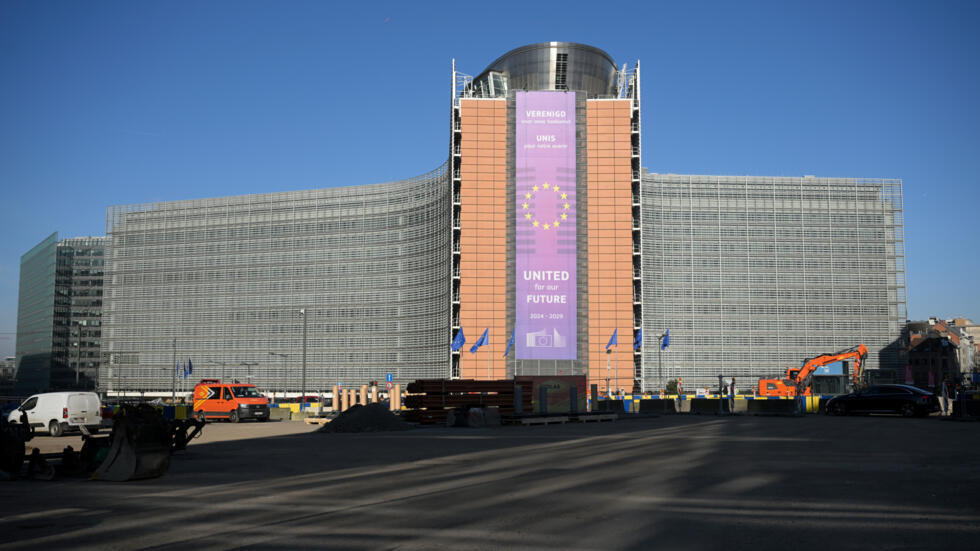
(369, 418)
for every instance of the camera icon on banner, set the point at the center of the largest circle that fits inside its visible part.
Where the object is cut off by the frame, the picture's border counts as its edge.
(542, 339)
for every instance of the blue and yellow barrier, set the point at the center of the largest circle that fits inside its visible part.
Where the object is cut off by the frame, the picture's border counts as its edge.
(631, 402)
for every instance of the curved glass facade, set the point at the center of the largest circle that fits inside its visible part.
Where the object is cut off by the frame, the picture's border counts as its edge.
(222, 281)
(550, 66)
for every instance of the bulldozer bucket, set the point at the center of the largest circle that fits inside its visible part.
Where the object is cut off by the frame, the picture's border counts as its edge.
(140, 449)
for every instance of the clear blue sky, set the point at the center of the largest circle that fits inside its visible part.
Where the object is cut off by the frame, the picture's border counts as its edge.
(116, 102)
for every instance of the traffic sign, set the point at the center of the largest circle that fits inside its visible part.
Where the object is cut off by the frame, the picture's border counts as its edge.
(340, 384)
(388, 385)
(388, 377)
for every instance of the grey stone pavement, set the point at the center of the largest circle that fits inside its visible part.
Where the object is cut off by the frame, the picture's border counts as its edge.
(673, 482)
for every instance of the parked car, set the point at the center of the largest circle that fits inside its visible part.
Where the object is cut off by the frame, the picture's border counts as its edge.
(907, 400)
(57, 412)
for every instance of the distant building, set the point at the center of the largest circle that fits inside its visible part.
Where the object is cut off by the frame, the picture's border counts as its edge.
(939, 349)
(8, 367)
(59, 313)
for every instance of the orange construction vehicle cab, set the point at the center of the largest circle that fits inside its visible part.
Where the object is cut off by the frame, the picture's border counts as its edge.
(803, 375)
(214, 399)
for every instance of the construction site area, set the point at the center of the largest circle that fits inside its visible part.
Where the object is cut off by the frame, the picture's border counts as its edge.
(674, 481)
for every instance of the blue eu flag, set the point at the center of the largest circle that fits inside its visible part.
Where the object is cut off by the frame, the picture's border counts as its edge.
(666, 342)
(459, 340)
(638, 342)
(612, 339)
(510, 343)
(482, 340)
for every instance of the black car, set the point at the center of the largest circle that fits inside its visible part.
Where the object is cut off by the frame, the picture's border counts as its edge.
(904, 399)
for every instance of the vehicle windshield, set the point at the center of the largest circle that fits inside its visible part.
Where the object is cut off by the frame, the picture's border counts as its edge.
(245, 392)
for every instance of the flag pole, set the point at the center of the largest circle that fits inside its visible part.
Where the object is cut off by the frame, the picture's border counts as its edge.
(488, 357)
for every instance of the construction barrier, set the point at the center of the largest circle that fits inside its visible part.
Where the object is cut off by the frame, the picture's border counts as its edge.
(772, 407)
(611, 406)
(708, 406)
(967, 406)
(657, 405)
(169, 412)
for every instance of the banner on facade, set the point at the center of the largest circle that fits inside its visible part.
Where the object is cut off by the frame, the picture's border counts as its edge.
(545, 228)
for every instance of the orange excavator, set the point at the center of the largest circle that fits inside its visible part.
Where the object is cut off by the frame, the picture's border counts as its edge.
(802, 377)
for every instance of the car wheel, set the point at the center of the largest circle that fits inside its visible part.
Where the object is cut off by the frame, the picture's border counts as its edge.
(200, 417)
(908, 410)
(233, 416)
(55, 429)
(839, 409)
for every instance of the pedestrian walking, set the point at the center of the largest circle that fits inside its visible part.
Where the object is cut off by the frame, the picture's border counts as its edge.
(731, 397)
(799, 398)
(945, 396)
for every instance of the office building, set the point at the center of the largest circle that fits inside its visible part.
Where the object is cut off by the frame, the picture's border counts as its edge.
(541, 232)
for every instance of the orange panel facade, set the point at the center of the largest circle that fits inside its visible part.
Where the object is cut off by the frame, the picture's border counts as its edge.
(610, 244)
(483, 236)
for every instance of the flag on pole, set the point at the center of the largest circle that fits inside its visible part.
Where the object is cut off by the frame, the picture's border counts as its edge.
(638, 341)
(666, 342)
(190, 367)
(510, 343)
(183, 370)
(484, 338)
(612, 339)
(459, 340)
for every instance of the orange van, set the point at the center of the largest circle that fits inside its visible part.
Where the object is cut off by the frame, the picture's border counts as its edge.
(214, 399)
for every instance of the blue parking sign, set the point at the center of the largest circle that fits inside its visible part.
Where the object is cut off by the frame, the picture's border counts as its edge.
(388, 378)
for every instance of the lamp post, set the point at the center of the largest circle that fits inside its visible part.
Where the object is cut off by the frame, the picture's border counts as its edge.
(302, 385)
(608, 352)
(173, 378)
(248, 367)
(660, 360)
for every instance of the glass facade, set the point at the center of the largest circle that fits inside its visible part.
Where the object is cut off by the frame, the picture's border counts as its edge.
(59, 313)
(81, 265)
(222, 281)
(35, 317)
(753, 274)
(549, 66)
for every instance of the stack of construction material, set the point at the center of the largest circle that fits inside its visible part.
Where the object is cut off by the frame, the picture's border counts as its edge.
(430, 400)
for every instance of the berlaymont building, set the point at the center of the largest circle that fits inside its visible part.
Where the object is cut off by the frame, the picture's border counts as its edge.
(541, 238)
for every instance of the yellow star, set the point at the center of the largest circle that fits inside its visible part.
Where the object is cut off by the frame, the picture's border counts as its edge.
(524, 205)
(564, 196)
(528, 216)
(567, 206)
(546, 185)
(554, 188)
(535, 224)
(564, 216)
(546, 226)
(535, 188)
(527, 195)
(556, 223)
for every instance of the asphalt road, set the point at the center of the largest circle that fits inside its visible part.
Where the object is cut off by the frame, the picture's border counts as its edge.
(677, 482)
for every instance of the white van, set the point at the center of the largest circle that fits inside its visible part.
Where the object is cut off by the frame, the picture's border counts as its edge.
(56, 412)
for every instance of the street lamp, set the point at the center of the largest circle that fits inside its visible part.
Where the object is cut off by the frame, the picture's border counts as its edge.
(302, 389)
(248, 367)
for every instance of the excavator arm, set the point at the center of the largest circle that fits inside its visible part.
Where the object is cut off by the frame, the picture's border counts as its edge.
(857, 354)
(801, 377)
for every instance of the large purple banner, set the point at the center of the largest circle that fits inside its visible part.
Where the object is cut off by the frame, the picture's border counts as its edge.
(545, 227)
